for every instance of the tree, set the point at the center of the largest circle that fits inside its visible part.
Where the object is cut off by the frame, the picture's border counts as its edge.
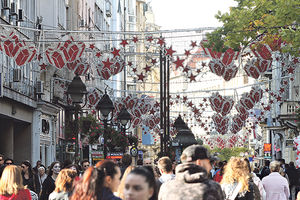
(258, 20)
(227, 153)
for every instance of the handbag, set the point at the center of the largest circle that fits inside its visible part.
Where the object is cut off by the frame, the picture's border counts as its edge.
(235, 192)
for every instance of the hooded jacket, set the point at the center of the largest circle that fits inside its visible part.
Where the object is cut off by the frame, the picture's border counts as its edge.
(191, 182)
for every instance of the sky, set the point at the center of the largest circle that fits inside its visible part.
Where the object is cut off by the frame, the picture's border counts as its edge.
(178, 14)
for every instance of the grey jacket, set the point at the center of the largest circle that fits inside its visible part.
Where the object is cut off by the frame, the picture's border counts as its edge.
(191, 182)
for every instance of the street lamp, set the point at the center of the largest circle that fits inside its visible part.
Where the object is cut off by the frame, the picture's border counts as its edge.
(124, 117)
(76, 91)
(105, 106)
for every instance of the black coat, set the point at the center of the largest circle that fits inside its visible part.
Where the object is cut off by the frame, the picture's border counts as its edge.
(47, 188)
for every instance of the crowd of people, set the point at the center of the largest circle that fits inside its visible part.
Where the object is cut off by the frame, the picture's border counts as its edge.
(198, 176)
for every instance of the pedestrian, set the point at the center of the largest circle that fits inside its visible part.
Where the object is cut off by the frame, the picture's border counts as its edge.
(265, 170)
(192, 181)
(120, 192)
(293, 179)
(63, 185)
(11, 185)
(84, 165)
(126, 162)
(41, 176)
(164, 165)
(140, 184)
(236, 182)
(147, 161)
(30, 179)
(219, 173)
(98, 182)
(275, 185)
(49, 183)
(2, 165)
(8, 161)
(37, 166)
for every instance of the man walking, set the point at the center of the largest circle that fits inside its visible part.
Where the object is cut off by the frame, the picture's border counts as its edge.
(192, 181)
(164, 165)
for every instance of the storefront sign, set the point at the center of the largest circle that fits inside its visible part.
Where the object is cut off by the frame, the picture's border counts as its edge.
(114, 156)
(267, 148)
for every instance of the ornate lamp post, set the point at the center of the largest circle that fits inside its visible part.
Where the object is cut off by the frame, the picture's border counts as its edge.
(76, 91)
(105, 106)
(185, 136)
(124, 117)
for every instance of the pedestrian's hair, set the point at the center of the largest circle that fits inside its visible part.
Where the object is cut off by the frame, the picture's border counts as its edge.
(83, 161)
(7, 159)
(50, 172)
(64, 180)
(11, 181)
(93, 179)
(275, 166)
(165, 164)
(126, 160)
(267, 163)
(148, 174)
(237, 170)
(30, 171)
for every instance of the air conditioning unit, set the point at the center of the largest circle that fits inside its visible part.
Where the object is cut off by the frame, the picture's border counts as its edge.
(20, 15)
(39, 87)
(5, 4)
(17, 75)
(81, 23)
(13, 8)
(108, 9)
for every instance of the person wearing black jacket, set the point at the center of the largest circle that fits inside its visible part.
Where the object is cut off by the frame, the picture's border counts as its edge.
(49, 183)
(266, 170)
(30, 179)
(293, 178)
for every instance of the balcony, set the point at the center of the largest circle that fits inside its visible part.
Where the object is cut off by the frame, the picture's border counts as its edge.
(288, 115)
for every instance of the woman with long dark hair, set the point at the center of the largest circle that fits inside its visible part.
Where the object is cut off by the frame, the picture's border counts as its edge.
(140, 184)
(99, 182)
(49, 183)
(30, 179)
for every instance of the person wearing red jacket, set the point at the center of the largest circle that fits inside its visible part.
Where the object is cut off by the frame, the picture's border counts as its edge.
(11, 185)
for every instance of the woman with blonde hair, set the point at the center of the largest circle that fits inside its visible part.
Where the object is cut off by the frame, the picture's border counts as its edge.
(236, 182)
(64, 185)
(11, 184)
(120, 192)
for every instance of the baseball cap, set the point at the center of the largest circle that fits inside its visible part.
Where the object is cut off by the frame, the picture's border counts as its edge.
(195, 152)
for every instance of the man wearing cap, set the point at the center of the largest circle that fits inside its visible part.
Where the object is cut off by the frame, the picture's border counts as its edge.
(192, 181)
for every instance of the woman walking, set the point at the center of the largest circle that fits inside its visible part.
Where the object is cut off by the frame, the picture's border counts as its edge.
(99, 182)
(11, 184)
(49, 183)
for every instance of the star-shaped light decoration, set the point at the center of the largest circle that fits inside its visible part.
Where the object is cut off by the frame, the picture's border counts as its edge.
(135, 39)
(186, 69)
(98, 54)
(156, 105)
(193, 44)
(279, 98)
(107, 63)
(203, 64)
(152, 112)
(116, 52)
(134, 70)
(92, 46)
(190, 104)
(147, 68)
(198, 71)
(141, 77)
(170, 51)
(129, 63)
(153, 61)
(177, 96)
(184, 99)
(291, 70)
(187, 52)
(268, 108)
(124, 43)
(43, 66)
(192, 77)
(178, 62)
(150, 39)
(281, 90)
(161, 41)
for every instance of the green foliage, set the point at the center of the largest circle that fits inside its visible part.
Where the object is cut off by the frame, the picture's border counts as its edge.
(227, 153)
(251, 19)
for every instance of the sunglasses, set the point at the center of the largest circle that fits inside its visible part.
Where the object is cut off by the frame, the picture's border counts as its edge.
(9, 163)
(85, 165)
